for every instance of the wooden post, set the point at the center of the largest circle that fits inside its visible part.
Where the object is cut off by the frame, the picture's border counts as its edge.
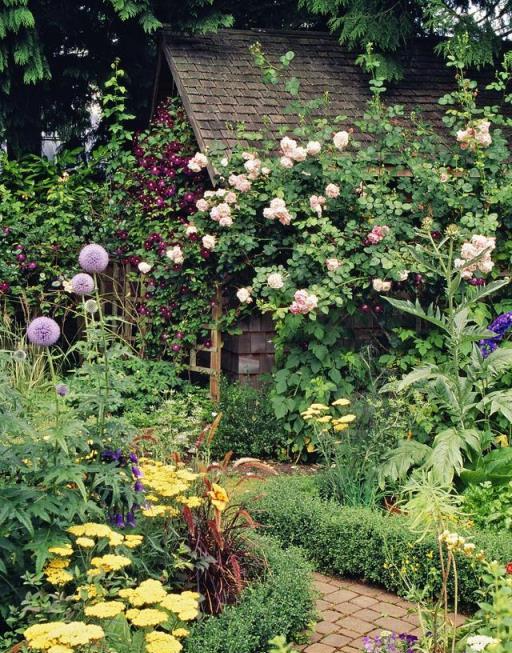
(216, 354)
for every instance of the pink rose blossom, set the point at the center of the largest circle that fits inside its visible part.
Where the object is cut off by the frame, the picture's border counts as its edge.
(248, 156)
(313, 148)
(332, 191)
(303, 302)
(222, 210)
(286, 162)
(230, 197)
(377, 234)
(226, 222)
(288, 146)
(332, 264)
(198, 162)
(175, 254)
(208, 242)
(240, 182)
(202, 205)
(316, 202)
(277, 211)
(299, 154)
(472, 249)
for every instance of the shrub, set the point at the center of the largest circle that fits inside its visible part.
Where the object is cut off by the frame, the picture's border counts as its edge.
(248, 426)
(280, 603)
(362, 543)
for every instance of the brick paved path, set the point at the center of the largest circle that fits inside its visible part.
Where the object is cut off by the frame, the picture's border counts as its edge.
(349, 610)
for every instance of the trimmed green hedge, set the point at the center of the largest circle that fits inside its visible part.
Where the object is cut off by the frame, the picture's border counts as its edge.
(280, 604)
(362, 543)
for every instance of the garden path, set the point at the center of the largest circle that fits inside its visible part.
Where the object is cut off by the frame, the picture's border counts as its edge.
(349, 610)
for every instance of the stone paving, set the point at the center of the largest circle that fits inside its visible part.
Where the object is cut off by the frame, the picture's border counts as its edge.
(348, 610)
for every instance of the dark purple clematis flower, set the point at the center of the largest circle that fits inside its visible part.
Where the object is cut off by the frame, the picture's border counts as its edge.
(138, 486)
(130, 519)
(119, 520)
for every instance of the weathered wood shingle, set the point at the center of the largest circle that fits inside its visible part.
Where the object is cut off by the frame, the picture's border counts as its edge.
(220, 85)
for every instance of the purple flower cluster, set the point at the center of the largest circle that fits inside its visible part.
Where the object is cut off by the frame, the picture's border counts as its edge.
(121, 521)
(117, 456)
(82, 284)
(43, 331)
(500, 326)
(390, 643)
(93, 258)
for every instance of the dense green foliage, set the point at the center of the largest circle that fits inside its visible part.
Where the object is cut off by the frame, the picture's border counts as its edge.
(280, 603)
(363, 543)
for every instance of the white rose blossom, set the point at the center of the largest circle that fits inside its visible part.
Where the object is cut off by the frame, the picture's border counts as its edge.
(341, 139)
(144, 267)
(244, 295)
(209, 242)
(275, 280)
(175, 254)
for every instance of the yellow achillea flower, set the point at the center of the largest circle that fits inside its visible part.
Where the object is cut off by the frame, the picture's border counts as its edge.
(160, 511)
(146, 617)
(110, 562)
(58, 577)
(84, 592)
(133, 541)
(90, 529)
(341, 402)
(148, 592)
(340, 427)
(318, 407)
(345, 419)
(58, 563)
(181, 632)
(57, 633)
(158, 642)
(191, 502)
(64, 550)
(60, 648)
(104, 609)
(185, 605)
(85, 542)
(115, 539)
(219, 497)
(324, 420)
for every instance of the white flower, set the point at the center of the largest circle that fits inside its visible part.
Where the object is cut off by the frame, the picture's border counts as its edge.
(224, 161)
(299, 154)
(286, 162)
(67, 286)
(191, 229)
(403, 275)
(175, 254)
(253, 168)
(208, 242)
(265, 171)
(244, 295)
(313, 148)
(316, 202)
(288, 145)
(198, 162)
(275, 280)
(202, 205)
(240, 182)
(332, 191)
(340, 140)
(480, 642)
(220, 211)
(381, 286)
(144, 267)
(332, 264)
(226, 222)
(230, 197)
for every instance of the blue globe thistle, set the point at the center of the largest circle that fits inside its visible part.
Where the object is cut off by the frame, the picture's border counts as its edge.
(93, 258)
(62, 389)
(82, 284)
(43, 331)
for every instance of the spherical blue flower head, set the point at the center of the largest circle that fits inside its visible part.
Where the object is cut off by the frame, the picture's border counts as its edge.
(82, 284)
(43, 331)
(93, 258)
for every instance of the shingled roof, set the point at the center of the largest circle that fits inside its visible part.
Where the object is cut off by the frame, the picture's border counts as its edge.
(218, 82)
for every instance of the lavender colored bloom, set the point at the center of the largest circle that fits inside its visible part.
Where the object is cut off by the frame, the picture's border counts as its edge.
(119, 520)
(500, 326)
(82, 284)
(93, 258)
(134, 458)
(61, 389)
(43, 331)
(138, 486)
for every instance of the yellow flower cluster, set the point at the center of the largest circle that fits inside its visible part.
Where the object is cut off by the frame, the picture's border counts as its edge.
(87, 534)
(316, 413)
(111, 562)
(218, 497)
(64, 551)
(60, 637)
(455, 542)
(166, 480)
(146, 617)
(185, 605)
(55, 571)
(147, 593)
(104, 609)
(157, 642)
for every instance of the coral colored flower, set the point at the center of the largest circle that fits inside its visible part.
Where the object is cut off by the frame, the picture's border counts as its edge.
(275, 280)
(43, 331)
(340, 140)
(93, 258)
(508, 568)
(244, 295)
(82, 284)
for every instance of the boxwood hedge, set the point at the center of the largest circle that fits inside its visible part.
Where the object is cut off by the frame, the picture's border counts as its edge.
(281, 603)
(363, 543)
